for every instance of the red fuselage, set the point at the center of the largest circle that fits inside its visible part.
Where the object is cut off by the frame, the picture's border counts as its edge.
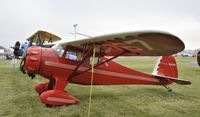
(45, 62)
(58, 69)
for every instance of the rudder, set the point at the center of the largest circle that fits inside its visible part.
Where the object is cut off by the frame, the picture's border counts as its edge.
(166, 66)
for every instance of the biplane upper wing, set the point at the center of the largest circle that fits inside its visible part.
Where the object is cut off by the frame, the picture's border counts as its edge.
(144, 43)
(43, 36)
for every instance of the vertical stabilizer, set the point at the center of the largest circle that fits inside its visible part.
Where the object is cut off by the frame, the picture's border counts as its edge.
(166, 66)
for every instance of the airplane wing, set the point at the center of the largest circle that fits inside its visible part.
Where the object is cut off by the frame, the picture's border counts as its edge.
(43, 36)
(144, 43)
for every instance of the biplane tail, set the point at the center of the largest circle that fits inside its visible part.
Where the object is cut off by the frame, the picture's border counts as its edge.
(166, 69)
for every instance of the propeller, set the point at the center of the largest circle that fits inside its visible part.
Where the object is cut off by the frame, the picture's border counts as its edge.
(17, 49)
(21, 66)
(22, 52)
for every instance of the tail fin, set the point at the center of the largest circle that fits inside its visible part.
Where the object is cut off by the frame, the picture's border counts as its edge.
(166, 69)
(166, 66)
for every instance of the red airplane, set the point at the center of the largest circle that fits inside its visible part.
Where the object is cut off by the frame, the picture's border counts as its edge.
(70, 62)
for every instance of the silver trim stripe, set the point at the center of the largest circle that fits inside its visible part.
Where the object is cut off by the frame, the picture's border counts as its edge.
(60, 100)
(102, 72)
(170, 64)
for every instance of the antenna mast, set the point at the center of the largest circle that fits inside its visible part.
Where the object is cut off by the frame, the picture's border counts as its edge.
(75, 32)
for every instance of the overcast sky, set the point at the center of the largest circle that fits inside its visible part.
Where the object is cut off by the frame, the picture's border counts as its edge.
(19, 19)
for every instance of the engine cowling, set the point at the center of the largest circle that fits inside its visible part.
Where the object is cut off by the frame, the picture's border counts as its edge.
(33, 59)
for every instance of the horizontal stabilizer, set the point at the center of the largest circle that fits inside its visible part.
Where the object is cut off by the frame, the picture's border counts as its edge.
(178, 81)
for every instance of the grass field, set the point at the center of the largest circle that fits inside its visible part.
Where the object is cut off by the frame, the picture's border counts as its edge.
(18, 98)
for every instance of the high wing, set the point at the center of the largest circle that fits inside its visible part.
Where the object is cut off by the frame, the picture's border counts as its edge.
(43, 36)
(144, 43)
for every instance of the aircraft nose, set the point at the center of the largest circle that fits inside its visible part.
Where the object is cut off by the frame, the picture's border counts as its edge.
(33, 58)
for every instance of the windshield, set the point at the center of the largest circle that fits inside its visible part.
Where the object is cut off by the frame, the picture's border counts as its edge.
(72, 55)
(58, 49)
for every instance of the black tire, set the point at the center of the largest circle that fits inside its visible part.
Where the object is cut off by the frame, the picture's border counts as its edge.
(52, 106)
(198, 58)
(49, 105)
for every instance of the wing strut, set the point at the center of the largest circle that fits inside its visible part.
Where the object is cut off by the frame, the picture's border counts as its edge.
(104, 61)
(71, 76)
(74, 71)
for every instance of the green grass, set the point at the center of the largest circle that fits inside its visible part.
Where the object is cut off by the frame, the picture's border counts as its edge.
(18, 98)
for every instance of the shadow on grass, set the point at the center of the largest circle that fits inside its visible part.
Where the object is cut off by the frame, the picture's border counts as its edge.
(141, 93)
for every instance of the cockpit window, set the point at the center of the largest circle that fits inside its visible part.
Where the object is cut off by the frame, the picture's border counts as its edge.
(59, 50)
(72, 55)
(96, 59)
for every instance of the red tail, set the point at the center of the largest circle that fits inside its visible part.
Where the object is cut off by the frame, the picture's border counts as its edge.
(166, 66)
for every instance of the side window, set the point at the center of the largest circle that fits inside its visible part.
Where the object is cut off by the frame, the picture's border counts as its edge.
(33, 44)
(59, 51)
(71, 56)
(95, 60)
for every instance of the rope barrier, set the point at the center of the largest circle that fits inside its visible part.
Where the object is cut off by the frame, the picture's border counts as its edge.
(91, 82)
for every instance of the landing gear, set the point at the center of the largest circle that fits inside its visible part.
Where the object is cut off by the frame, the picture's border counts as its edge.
(32, 75)
(55, 98)
(49, 105)
(52, 106)
(168, 88)
(41, 87)
(52, 93)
